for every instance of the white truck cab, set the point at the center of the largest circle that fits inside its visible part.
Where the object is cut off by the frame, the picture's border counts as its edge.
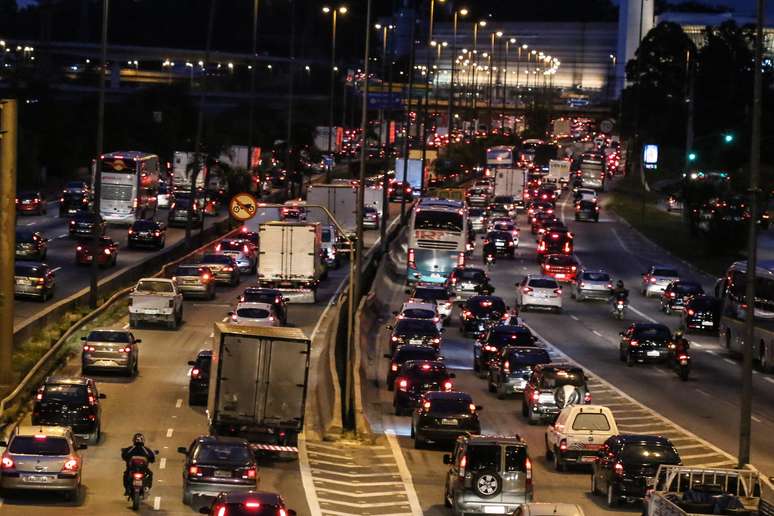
(578, 432)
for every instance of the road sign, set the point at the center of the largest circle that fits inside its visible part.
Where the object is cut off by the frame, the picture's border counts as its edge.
(242, 206)
(650, 156)
(606, 126)
(386, 100)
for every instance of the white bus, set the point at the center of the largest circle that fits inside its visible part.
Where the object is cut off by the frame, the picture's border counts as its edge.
(437, 240)
(731, 292)
(129, 184)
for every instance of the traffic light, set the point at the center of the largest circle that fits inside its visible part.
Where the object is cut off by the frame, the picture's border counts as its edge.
(692, 156)
(728, 137)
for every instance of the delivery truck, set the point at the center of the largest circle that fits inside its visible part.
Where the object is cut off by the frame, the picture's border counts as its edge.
(509, 186)
(373, 197)
(341, 202)
(290, 259)
(258, 381)
(183, 169)
(414, 173)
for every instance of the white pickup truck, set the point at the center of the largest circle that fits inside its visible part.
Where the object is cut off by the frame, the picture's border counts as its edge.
(578, 433)
(155, 300)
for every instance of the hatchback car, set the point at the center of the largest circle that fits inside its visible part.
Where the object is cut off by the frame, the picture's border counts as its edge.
(561, 267)
(400, 191)
(146, 232)
(442, 416)
(164, 195)
(42, 458)
(643, 342)
(509, 372)
(412, 309)
(254, 314)
(195, 281)
(477, 218)
(405, 353)
(701, 313)
(507, 226)
(85, 224)
(438, 294)
(177, 216)
(215, 465)
(248, 503)
(293, 210)
(223, 267)
(110, 350)
(30, 203)
(487, 349)
(271, 296)
(488, 475)
(587, 210)
(503, 241)
(242, 250)
(416, 377)
(479, 313)
(626, 463)
(656, 279)
(370, 218)
(591, 284)
(199, 378)
(73, 201)
(678, 293)
(466, 282)
(536, 291)
(328, 246)
(72, 402)
(30, 245)
(107, 252)
(421, 332)
(539, 401)
(477, 196)
(34, 279)
(507, 203)
(555, 241)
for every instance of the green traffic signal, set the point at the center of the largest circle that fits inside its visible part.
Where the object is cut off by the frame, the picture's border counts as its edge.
(728, 137)
(691, 156)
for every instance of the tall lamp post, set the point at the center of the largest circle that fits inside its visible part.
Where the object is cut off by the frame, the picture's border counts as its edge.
(254, 50)
(492, 66)
(481, 24)
(334, 12)
(508, 42)
(385, 180)
(427, 88)
(450, 108)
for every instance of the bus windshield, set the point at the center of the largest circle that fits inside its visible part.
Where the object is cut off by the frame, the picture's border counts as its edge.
(439, 220)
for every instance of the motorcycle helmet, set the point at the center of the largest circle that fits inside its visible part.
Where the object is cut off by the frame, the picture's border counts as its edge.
(619, 284)
(678, 333)
(138, 439)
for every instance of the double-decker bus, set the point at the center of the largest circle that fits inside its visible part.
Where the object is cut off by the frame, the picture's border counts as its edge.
(733, 311)
(437, 240)
(129, 184)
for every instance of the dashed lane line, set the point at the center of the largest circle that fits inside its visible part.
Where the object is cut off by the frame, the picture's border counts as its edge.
(355, 483)
(306, 478)
(769, 379)
(170, 431)
(643, 315)
(729, 361)
(698, 455)
(574, 318)
(179, 403)
(157, 503)
(350, 494)
(595, 332)
(163, 463)
(705, 393)
(353, 475)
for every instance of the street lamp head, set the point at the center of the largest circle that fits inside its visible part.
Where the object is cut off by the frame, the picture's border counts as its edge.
(445, 44)
(512, 40)
(482, 23)
(378, 26)
(326, 10)
(534, 52)
(463, 12)
(343, 10)
(499, 34)
(485, 54)
(433, 43)
(525, 46)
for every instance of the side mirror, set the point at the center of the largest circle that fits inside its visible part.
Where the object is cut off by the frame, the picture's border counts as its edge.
(447, 458)
(286, 299)
(83, 338)
(192, 362)
(182, 449)
(452, 375)
(102, 396)
(137, 341)
(395, 313)
(82, 446)
(479, 408)
(390, 327)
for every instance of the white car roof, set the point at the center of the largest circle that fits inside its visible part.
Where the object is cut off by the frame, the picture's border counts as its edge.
(251, 304)
(417, 304)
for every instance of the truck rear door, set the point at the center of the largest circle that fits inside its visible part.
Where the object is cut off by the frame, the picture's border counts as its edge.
(282, 382)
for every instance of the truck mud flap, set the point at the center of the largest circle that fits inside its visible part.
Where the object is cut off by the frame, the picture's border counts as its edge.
(298, 296)
(273, 448)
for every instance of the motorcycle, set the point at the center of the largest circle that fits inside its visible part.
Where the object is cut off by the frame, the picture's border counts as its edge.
(681, 362)
(139, 480)
(489, 259)
(619, 307)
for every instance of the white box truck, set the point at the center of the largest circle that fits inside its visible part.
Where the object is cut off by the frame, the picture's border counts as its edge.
(182, 170)
(339, 199)
(558, 172)
(509, 182)
(372, 196)
(258, 384)
(321, 138)
(290, 259)
(414, 173)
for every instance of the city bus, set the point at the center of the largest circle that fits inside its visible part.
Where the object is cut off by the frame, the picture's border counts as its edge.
(730, 290)
(437, 240)
(129, 184)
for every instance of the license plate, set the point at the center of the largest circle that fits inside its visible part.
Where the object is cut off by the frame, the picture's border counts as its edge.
(654, 353)
(588, 458)
(707, 323)
(499, 244)
(150, 311)
(592, 446)
(137, 482)
(448, 421)
(494, 509)
(683, 362)
(435, 275)
(416, 341)
(105, 363)
(467, 286)
(222, 473)
(36, 479)
(561, 276)
(21, 281)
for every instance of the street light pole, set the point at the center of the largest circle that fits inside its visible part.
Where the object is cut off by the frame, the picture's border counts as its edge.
(450, 108)
(385, 180)
(745, 412)
(253, 63)
(505, 82)
(94, 276)
(407, 126)
(427, 90)
(334, 16)
(481, 23)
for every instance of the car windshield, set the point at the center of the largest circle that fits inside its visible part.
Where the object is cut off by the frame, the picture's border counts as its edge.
(433, 294)
(232, 245)
(428, 371)
(233, 453)
(500, 235)
(476, 212)
(326, 235)
(543, 283)
(423, 353)
(25, 237)
(503, 199)
(671, 273)
(85, 216)
(253, 313)
(188, 271)
(259, 297)
(504, 226)
(471, 276)
(703, 303)
(653, 332)
(527, 356)
(65, 392)
(74, 186)
(30, 271)
(485, 305)
(484, 457)
(642, 453)
(596, 276)
(505, 336)
(182, 202)
(559, 377)
(418, 313)
(39, 445)
(420, 326)
(450, 405)
(561, 260)
(216, 258)
(159, 287)
(689, 288)
(589, 421)
(144, 225)
(25, 196)
(108, 336)
(444, 220)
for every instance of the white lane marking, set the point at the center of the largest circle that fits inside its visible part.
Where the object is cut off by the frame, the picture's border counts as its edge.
(756, 419)
(306, 478)
(620, 242)
(212, 334)
(31, 223)
(643, 315)
(170, 431)
(710, 352)
(573, 317)
(55, 269)
(157, 503)
(179, 403)
(405, 474)
(595, 332)
(703, 392)
(163, 463)
(64, 235)
(698, 455)
(697, 345)
(125, 326)
(225, 319)
(769, 379)
(728, 360)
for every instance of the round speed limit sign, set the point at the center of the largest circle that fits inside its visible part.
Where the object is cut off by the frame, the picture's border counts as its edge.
(242, 206)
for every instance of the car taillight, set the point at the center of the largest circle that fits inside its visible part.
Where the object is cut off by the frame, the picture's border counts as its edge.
(634, 343)
(587, 398)
(461, 259)
(574, 268)
(542, 247)
(535, 396)
(558, 291)
(563, 445)
(205, 277)
(107, 251)
(436, 340)
(394, 367)
(131, 231)
(228, 268)
(506, 367)
(426, 406)
(412, 264)
(527, 290)
(195, 372)
(463, 465)
(7, 462)
(171, 303)
(79, 248)
(567, 247)
(683, 357)
(193, 471)
(157, 233)
(403, 384)
(609, 285)
(490, 348)
(249, 473)
(234, 317)
(125, 349)
(88, 348)
(672, 295)
(691, 312)
(652, 280)
(618, 469)
(528, 471)
(71, 465)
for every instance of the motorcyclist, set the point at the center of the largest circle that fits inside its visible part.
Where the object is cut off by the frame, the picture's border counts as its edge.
(488, 249)
(137, 449)
(680, 343)
(619, 292)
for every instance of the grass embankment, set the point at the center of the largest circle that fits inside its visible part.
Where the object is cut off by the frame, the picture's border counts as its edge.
(670, 232)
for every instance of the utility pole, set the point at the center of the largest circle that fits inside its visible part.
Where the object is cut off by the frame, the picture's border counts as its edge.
(385, 215)
(334, 11)
(289, 163)
(253, 65)
(745, 411)
(198, 168)
(428, 83)
(8, 146)
(407, 126)
(94, 273)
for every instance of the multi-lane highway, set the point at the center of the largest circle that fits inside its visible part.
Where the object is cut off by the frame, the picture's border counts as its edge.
(70, 277)
(700, 415)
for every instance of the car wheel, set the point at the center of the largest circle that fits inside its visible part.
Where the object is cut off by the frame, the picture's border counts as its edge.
(447, 497)
(531, 419)
(593, 484)
(492, 386)
(629, 359)
(419, 444)
(187, 497)
(524, 411)
(476, 367)
(763, 359)
(549, 455)
(621, 354)
(668, 310)
(612, 496)
(559, 464)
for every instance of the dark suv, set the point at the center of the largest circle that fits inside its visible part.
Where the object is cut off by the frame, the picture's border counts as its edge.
(678, 293)
(509, 372)
(642, 342)
(701, 313)
(487, 349)
(199, 380)
(626, 462)
(488, 474)
(479, 313)
(85, 223)
(540, 401)
(417, 377)
(269, 296)
(423, 332)
(69, 401)
(404, 354)
(466, 282)
(444, 416)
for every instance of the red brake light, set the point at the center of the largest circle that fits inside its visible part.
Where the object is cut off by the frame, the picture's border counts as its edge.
(7, 462)
(618, 468)
(411, 261)
(691, 311)
(403, 384)
(634, 343)
(526, 290)
(394, 367)
(536, 395)
(138, 475)
(205, 276)
(528, 470)
(195, 372)
(250, 473)
(587, 398)
(71, 465)
(426, 405)
(563, 445)
(447, 385)
(193, 471)
(88, 348)
(463, 465)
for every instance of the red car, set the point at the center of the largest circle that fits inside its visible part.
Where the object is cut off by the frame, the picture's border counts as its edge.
(30, 203)
(107, 252)
(561, 267)
(555, 242)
